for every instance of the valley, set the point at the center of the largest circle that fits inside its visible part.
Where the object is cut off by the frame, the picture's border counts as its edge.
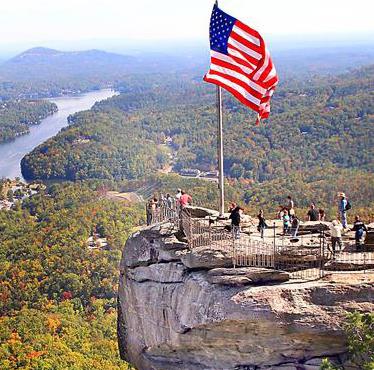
(126, 128)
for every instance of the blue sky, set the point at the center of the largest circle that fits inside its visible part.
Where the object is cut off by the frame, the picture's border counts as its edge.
(42, 21)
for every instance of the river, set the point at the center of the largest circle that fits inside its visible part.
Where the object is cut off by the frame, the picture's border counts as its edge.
(12, 152)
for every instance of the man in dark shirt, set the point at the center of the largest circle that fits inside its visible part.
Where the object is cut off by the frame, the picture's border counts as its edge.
(359, 228)
(312, 213)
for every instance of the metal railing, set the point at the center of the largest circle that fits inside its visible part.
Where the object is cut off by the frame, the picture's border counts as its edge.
(306, 256)
(256, 253)
(162, 213)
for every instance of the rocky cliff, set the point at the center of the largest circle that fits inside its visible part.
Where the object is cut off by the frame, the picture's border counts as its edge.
(191, 310)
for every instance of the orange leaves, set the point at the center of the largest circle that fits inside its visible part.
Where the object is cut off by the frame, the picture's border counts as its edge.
(35, 354)
(14, 338)
(53, 323)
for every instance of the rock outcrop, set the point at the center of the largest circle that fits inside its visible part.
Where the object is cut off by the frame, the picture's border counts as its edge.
(192, 310)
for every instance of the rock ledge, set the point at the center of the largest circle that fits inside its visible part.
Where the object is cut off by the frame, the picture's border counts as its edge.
(191, 310)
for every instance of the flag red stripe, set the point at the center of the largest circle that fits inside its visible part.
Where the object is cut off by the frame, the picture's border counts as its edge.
(234, 92)
(251, 91)
(245, 55)
(249, 30)
(246, 43)
(227, 65)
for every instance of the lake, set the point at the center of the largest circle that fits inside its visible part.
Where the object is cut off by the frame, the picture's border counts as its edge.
(12, 152)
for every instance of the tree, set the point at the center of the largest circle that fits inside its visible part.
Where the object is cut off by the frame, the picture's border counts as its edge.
(359, 330)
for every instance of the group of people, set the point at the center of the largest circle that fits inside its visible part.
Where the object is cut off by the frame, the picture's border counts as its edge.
(154, 204)
(337, 228)
(287, 214)
(291, 222)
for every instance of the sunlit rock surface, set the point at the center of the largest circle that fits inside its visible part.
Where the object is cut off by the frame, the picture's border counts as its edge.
(181, 311)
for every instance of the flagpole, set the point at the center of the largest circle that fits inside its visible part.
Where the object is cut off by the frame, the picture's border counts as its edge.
(221, 185)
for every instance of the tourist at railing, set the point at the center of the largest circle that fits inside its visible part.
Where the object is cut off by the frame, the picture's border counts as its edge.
(280, 213)
(295, 224)
(336, 229)
(286, 222)
(261, 223)
(359, 228)
(313, 214)
(151, 210)
(232, 206)
(321, 215)
(290, 206)
(178, 195)
(185, 199)
(169, 201)
(343, 206)
(235, 217)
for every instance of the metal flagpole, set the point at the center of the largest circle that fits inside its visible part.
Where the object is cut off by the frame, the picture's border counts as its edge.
(221, 184)
(220, 153)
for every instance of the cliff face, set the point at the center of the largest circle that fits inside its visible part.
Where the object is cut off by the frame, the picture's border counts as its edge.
(190, 310)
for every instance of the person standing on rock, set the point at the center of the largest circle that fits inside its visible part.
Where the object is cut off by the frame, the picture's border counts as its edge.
(295, 224)
(321, 215)
(178, 195)
(359, 228)
(343, 206)
(148, 210)
(169, 201)
(290, 206)
(286, 222)
(185, 199)
(336, 229)
(312, 213)
(232, 206)
(235, 218)
(261, 223)
(280, 213)
(151, 211)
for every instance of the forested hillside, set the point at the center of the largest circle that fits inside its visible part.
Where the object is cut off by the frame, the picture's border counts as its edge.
(318, 139)
(58, 296)
(320, 122)
(17, 116)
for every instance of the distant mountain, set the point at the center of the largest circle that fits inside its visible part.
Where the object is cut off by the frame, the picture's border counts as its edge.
(43, 72)
(41, 63)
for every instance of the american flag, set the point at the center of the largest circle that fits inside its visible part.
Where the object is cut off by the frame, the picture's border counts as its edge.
(241, 63)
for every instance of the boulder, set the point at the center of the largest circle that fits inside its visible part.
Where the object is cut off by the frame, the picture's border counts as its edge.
(246, 276)
(206, 258)
(200, 212)
(160, 273)
(369, 241)
(152, 245)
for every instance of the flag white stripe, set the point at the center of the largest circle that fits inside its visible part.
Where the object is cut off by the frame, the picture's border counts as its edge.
(227, 59)
(239, 76)
(244, 48)
(237, 88)
(271, 74)
(237, 54)
(264, 66)
(246, 35)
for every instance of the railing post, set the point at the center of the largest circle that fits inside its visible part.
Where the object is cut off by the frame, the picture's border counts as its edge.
(275, 247)
(234, 252)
